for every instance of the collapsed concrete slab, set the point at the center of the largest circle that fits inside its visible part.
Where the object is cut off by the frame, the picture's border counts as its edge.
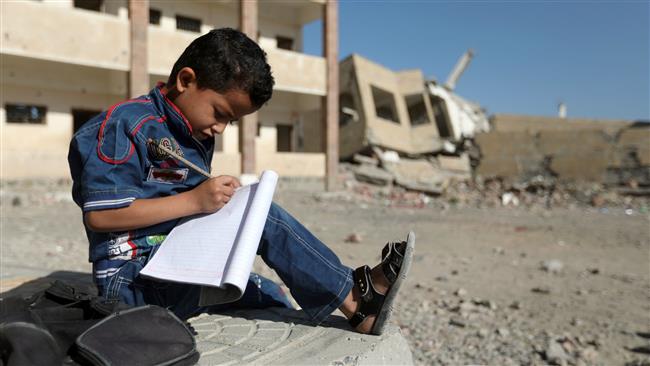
(373, 175)
(278, 336)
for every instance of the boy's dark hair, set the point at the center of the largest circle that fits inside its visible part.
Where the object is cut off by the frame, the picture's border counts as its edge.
(226, 59)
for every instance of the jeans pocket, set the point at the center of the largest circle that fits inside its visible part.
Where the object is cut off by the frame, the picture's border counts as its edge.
(121, 285)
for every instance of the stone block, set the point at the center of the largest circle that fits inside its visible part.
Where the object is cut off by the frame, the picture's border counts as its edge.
(292, 340)
(455, 163)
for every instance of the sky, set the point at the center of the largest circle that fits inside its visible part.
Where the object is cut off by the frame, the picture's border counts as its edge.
(529, 55)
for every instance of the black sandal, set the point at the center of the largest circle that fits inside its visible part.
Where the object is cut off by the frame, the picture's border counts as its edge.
(396, 261)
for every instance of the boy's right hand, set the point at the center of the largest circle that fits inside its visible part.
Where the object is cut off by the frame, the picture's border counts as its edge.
(214, 193)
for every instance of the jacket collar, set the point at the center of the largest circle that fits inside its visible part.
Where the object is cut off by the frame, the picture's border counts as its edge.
(175, 117)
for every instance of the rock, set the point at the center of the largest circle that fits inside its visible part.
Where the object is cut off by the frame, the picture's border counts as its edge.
(554, 354)
(482, 333)
(593, 270)
(515, 305)
(485, 303)
(354, 238)
(576, 322)
(589, 354)
(503, 332)
(499, 250)
(552, 266)
(362, 159)
(16, 201)
(544, 290)
(457, 322)
(598, 201)
(460, 292)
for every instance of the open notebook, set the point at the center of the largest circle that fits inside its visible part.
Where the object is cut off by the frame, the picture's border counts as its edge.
(217, 250)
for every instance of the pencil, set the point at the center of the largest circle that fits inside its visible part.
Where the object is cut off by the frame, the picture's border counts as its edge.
(180, 158)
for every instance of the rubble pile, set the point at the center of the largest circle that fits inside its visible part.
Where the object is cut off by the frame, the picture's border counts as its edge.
(417, 183)
(490, 333)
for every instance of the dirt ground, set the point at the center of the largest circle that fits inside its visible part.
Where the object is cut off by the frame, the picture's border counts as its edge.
(488, 286)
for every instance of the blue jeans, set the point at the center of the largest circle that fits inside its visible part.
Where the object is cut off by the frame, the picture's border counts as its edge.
(313, 273)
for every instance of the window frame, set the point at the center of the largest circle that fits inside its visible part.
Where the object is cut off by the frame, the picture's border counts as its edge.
(29, 121)
(374, 90)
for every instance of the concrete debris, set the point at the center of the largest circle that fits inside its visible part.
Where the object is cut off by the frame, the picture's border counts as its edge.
(460, 292)
(363, 159)
(593, 270)
(555, 354)
(503, 332)
(552, 266)
(509, 199)
(544, 290)
(373, 175)
(457, 322)
(389, 157)
(459, 164)
(354, 238)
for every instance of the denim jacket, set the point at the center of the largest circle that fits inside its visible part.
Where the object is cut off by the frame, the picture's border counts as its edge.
(113, 163)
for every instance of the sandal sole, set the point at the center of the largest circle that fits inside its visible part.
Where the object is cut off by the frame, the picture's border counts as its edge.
(387, 308)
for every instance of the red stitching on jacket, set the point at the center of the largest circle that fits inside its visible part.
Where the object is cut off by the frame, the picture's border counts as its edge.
(159, 120)
(100, 136)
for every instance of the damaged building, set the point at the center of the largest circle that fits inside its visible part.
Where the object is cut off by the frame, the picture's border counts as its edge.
(424, 135)
(418, 128)
(611, 152)
(403, 111)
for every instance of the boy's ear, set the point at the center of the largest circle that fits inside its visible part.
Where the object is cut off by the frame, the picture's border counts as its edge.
(185, 78)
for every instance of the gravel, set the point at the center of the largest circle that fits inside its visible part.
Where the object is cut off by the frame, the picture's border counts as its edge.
(464, 302)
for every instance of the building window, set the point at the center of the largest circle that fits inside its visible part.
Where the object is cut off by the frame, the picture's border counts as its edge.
(417, 110)
(81, 116)
(441, 116)
(284, 138)
(188, 24)
(348, 112)
(284, 43)
(25, 113)
(154, 16)
(384, 104)
(93, 5)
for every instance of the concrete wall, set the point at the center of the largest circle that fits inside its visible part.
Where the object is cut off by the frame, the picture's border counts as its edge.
(352, 135)
(573, 150)
(512, 122)
(29, 28)
(358, 77)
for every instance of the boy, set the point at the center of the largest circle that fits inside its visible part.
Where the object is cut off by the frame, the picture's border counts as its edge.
(132, 194)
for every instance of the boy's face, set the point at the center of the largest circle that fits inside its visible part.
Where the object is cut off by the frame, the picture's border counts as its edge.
(208, 111)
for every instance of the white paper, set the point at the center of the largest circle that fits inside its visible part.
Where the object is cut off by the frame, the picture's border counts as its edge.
(217, 250)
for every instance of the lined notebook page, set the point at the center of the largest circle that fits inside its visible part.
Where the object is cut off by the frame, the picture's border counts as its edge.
(206, 249)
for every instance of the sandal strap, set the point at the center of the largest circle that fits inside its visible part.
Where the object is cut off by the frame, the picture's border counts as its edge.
(371, 300)
(392, 258)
